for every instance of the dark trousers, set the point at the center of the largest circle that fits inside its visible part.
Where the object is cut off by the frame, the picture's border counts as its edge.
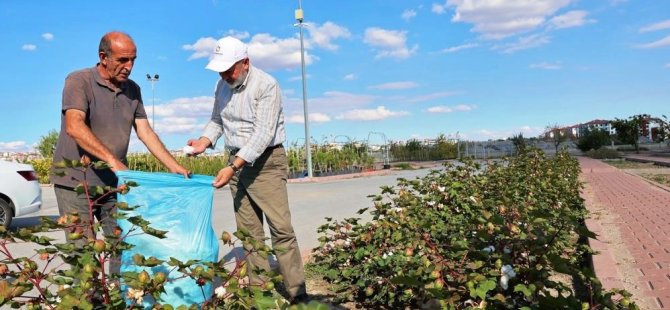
(70, 202)
(260, 190)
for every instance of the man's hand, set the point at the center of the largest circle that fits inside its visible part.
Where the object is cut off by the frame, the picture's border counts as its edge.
(116, 165)
(180, 170)
(223, 177)
(198, 145)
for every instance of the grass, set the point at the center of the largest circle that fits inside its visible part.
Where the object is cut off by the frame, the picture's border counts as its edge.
(663, 179)
(403, 166)
(624, 164)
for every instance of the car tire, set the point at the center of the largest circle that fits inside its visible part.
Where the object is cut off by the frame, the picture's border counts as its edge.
(6, 213)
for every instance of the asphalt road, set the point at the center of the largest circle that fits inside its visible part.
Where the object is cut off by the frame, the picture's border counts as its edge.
(310, 203)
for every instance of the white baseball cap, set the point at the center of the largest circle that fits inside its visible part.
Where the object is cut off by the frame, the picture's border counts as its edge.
(228, 51)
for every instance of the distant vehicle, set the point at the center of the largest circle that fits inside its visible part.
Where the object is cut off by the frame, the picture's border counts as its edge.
(20, 192)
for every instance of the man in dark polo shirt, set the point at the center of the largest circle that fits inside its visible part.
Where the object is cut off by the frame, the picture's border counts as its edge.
(100, 106)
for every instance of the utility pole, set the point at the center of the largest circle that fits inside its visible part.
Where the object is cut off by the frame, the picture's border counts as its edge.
(299, 16)
(153, 80)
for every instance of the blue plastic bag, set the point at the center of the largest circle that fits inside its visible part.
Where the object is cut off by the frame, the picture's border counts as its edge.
(183, 207)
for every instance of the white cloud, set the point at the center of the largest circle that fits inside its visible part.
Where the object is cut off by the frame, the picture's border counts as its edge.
(322, 36)
(497, 19)
(298, 78)
(523, 43)
(331, 102)
(202, 48)
(659, 43)
(29, 47)
(569, 20)
(370, 114)
(408, 14)
(459, 48)
(350, 77)
(179, 125)
(48, 36)
(395, 85)
(527, 131)
(439, 109)
(389, 43)
(464, 107)
(430, 96)
(439, 9)
(446, 109)
(197, 107)
(546, 66)
(242, 35)
(313, 118)
(271, 53)
(15, 146)
(657, 26)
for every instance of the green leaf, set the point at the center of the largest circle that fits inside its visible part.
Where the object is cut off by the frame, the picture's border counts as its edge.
(406, 280)
(484, 287)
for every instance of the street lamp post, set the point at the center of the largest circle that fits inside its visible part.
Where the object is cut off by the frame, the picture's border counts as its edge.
(153, 80)
(308, 150)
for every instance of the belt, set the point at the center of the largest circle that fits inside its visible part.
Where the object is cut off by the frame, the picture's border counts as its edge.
(234, 151)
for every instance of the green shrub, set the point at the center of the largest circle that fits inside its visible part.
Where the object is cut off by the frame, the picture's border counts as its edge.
(42, 168)
(403, 166)
(207, 165)
(64, 276)
(627, 148)
(470, 237)
(603, 153)
(593, 140)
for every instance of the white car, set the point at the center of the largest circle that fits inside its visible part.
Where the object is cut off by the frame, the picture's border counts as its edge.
(20, 192)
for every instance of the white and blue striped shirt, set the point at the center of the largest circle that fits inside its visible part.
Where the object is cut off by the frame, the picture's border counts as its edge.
(250, 117)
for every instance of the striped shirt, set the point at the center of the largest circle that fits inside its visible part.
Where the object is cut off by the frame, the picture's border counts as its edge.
(250, 117)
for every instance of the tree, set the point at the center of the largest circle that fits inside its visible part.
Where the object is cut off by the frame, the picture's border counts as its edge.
(556, 135)
(593, 140)
(628, 131)
(47, 144)
(519, 143)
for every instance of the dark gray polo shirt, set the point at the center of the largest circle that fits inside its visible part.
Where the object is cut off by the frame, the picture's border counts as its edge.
(110, 114)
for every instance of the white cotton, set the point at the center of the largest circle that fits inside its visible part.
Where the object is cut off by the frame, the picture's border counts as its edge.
(508, 270)
(503, 281)
(489, 249)
(188, 150)
(220, 291)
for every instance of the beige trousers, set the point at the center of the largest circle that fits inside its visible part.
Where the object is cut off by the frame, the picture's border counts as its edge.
(258, 191)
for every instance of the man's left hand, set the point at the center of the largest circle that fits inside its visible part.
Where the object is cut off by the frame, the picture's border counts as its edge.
(181, 170)
(223, 177)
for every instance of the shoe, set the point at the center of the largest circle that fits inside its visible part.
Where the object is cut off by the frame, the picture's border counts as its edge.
(300, 299)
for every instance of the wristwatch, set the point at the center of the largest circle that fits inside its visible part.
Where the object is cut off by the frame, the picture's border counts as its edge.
(235, 169)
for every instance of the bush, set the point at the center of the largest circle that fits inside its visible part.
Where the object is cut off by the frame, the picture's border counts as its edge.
(64, 276)
(403, 166)
(603, 153)
(626, 148)
(470, 237)
(42, 168)
(593, 140)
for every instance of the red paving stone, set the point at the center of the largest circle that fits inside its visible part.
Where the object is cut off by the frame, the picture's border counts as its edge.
(643, 221)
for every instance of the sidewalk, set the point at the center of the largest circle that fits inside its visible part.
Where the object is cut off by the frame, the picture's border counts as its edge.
(632, 220)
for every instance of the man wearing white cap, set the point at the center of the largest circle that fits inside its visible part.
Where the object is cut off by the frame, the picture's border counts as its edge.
(248, 113)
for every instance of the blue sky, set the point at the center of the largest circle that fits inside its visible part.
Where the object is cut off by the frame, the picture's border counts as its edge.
(485, 69)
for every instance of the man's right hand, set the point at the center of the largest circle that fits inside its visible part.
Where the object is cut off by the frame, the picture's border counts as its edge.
(198, 145)
(117, 165)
